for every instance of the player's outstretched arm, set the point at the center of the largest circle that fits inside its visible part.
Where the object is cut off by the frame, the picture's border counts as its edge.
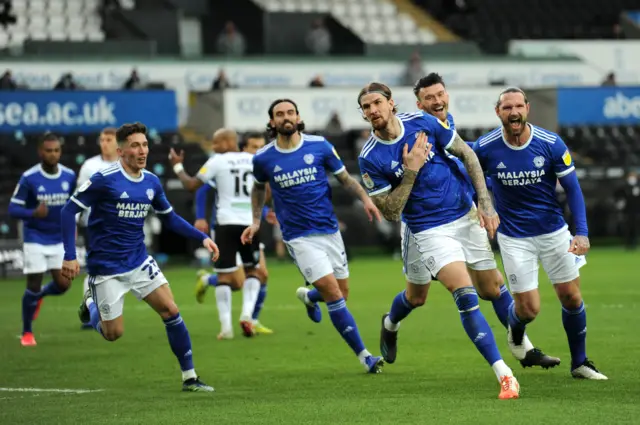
(352, 185)
(70, 266)
(258, 197)
(580, 244)
(188, 182)
(488, 216)
(179, 225)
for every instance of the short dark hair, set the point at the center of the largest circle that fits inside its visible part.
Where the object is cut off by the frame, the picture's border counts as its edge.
(512, 90)
(427, 81)
(271, 132)
(109, 131)
(48, 137)
(249, 135)
(126, 130)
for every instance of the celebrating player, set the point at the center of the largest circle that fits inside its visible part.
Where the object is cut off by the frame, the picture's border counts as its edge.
(108, 156)
(432, 98)
(37, 201)
(294, 165)
(525, 163)
(442, 231)
(232, 172)
(120, 198)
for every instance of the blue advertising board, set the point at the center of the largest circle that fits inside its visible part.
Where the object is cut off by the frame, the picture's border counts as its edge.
(599, 105)
(86, 111)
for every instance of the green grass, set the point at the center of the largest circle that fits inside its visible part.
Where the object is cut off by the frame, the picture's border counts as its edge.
(305, 374)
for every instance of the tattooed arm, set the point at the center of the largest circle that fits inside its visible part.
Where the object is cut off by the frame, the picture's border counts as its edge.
(461, 149)
(392, 203)
(352, 185)
(258, 196)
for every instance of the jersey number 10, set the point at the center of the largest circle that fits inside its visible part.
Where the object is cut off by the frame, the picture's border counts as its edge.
(241, 182)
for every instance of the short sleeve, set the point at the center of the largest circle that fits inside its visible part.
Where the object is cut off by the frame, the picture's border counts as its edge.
(160, 202)
(562, 161)
(89, 192)
(442, 132)
(332, 160)
(21, 192)
(259, 176)
(208, 170)
(375, 182)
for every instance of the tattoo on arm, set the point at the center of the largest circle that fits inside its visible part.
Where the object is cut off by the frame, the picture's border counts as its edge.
(460, 149)
(351, 185)
(258, 196)
(392, 203)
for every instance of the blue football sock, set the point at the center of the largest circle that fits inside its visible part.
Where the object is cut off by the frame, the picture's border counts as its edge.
(179, 341)
(501, 305)
(400, 308)
(94, 318)
(518, 324)
(315, 296)
(575, 325)
(345, 324)
(51, 288)
(29, 303)
(262, 295)
(475, 324)
(212, 280)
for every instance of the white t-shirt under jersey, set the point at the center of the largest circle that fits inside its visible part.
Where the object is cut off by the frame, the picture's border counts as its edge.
(233, 176)
(88, 169)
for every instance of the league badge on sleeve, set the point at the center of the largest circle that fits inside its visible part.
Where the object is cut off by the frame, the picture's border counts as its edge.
(84, 186)
(566, 158)
(336, 153)
(368, 182)
(15, 192)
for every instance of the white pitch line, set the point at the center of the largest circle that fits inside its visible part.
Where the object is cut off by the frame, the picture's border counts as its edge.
(49, 390)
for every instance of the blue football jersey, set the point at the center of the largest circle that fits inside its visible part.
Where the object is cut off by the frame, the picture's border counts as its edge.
(119, 205)
(37, 187)
(440, 194)
(299, 185)
(524, 180)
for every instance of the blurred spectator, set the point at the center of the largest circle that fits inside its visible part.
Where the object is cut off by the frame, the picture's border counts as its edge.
(610, 80)
(316, 82)
(133, 83)
(221, 82)
(618, 32)
(6, 18)
(318, 38)
(414, 70)
(629, 204)
(364, 136)
(66, 82)
(334, 125)
(7, 82)
(230, 41)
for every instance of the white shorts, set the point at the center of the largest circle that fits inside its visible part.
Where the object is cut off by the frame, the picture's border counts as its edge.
(319, 255)
(424, 254)
(41, 258)
(108, 291)
(520, 257)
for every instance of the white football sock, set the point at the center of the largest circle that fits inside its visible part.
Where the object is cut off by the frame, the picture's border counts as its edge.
(527, 343)
(85, 285)
(390, 326)
(223, 301)
(501, 369)
(250, 291)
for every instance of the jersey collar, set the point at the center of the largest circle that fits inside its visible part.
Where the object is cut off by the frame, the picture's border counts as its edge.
(128, 177)
(517, 148)
(50, 176)
(279, 149)
(390, 142)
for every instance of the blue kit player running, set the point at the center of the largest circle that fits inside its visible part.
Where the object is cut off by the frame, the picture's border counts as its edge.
(432, 97)
(120, 197)
(442, 230)
(37, 201)
(295, 167)
(525, 162)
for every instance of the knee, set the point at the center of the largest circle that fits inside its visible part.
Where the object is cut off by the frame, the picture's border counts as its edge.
(63, 284)
(417, 294)
(489, 287)
(112, 333)
(569, 296)
(345, 293)
(169, 310)
(528, 309)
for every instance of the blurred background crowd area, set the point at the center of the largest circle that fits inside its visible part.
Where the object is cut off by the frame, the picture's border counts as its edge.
(188, 67)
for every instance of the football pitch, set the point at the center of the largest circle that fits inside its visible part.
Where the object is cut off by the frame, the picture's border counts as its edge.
(305, 373)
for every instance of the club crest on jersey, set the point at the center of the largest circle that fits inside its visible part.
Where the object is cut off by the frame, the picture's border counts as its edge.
(65, 186)
(368, 182)
(566, 158)
(308, 158)
(150, 194)
(85, 186)
(538, 161)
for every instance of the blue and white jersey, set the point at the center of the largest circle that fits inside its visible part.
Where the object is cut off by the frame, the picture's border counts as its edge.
(119, 205)
(299, 185)
(440, 194)
(524, 180)
(35, 187)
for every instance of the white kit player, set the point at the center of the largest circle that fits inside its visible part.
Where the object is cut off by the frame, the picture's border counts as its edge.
(108, 157)
(232, 172)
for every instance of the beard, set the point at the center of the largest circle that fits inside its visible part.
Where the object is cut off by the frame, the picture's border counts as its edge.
(285, 130)
(379, 123)
(515, 125)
